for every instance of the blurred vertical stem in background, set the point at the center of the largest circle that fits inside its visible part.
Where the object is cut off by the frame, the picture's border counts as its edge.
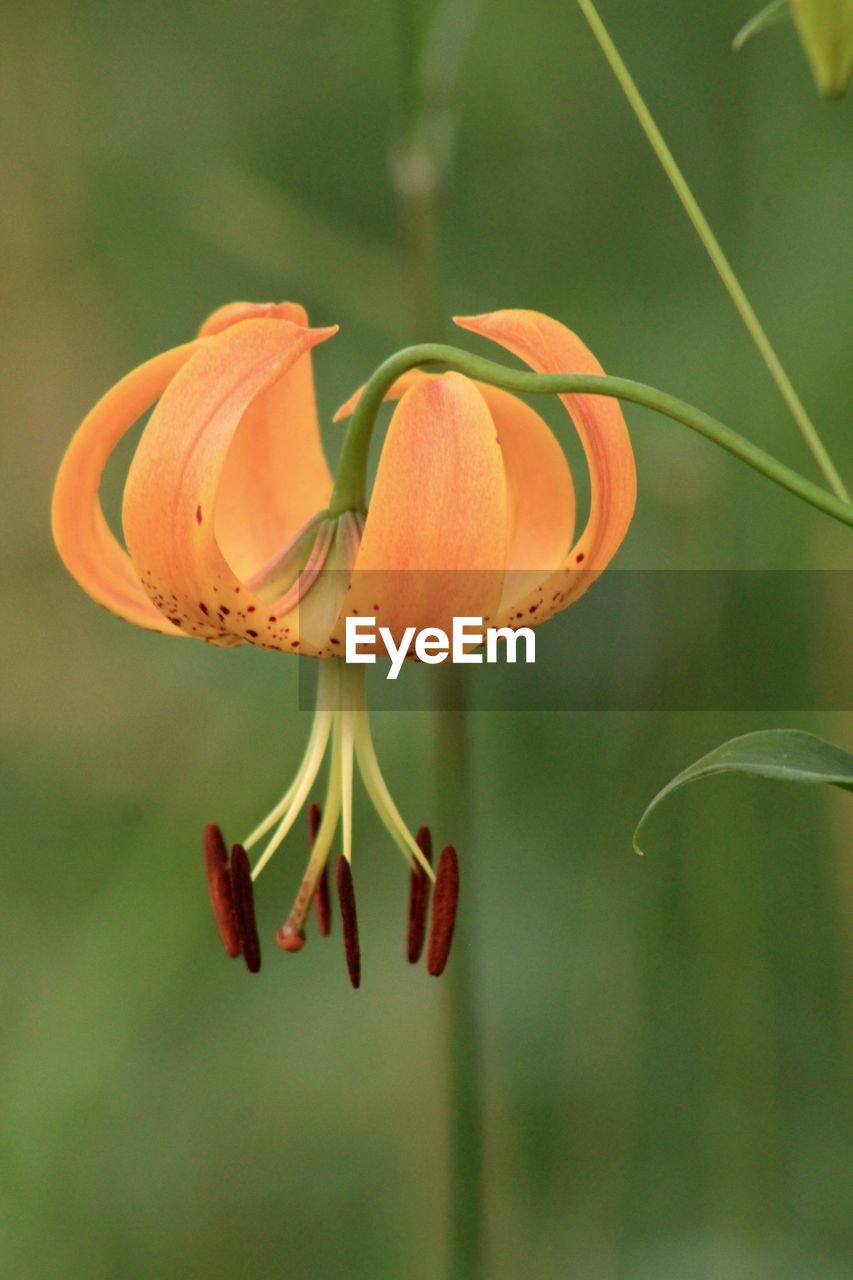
(422, 149)
(420, 160)
(712, 247)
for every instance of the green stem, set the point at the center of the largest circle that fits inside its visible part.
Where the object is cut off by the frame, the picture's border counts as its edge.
(712, 247)
(349, 490)
(421, 156)
(465, 1245)
(419, 165)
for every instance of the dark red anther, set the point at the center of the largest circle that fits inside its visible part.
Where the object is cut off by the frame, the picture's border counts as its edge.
(314, 817)
(444, 902)
(419, 886)
(322, 900)
(349, 920)
(244, 907)
(219, 884)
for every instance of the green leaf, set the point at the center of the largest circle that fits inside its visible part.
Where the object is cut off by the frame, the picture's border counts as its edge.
(776, 11)
(825, 29)
(787, 755)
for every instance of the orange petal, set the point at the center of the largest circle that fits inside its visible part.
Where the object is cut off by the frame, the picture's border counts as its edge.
(275, 476)
(172, 496)
(540, 493)
(88, 548)
(394, 392)
(549, 347)
(233, 312)
(438, 508)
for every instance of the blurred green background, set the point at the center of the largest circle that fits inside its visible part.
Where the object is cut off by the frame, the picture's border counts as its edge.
(668, 1041)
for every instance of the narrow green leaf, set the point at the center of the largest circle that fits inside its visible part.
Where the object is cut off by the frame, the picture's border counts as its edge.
(787, 755)
(826, 33)
(776, 11)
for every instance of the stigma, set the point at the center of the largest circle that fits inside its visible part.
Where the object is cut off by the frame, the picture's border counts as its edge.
(340, 734)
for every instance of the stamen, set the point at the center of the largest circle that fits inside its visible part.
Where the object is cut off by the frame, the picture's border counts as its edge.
(444, 903)
(322, 901)
(327, 692)
(349, 920)
(347, 716)
(244, 907)
(375, 784)
(219, 884)
(419, 887)
(315, 749)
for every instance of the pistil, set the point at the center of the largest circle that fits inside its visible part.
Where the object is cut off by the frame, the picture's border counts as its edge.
(322, 901)
(291, 936)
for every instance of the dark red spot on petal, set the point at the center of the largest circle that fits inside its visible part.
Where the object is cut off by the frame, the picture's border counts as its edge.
(198, 516)
(579, 557)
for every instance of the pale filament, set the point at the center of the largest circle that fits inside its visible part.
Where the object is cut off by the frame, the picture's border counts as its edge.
(375, 784)
(288, 808)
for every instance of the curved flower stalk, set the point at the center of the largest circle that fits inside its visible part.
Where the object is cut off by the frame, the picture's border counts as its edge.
(234, 533)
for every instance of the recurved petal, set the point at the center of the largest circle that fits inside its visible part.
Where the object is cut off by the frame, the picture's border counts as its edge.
(275, 476)
(233, 312)
(171, 510)
(434, 542)
(549, 347)
(85, 542)
(540, 493)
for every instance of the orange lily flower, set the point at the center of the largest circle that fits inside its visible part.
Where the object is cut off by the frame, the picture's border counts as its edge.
(229, 539)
